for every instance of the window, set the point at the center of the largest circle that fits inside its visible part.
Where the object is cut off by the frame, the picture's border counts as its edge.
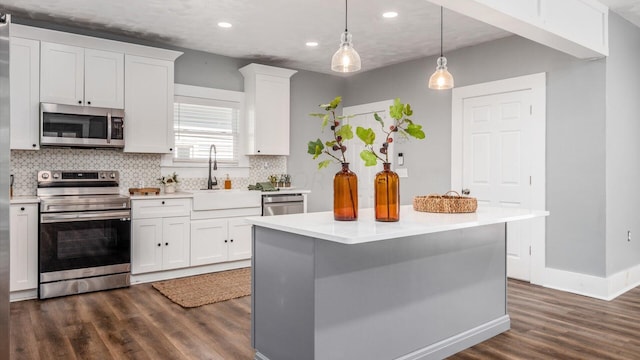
(200, 122)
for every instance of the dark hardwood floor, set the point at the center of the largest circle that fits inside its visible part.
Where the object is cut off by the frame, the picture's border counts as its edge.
(139, 323)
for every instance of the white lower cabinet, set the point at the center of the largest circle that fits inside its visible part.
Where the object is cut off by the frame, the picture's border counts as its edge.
(219, 240)
(160, 239)
(23, 247)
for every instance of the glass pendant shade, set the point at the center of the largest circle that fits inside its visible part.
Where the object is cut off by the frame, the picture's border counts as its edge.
(346, 59)
(441, 78)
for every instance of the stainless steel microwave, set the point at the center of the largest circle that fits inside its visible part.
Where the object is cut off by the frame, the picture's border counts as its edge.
(81, 126)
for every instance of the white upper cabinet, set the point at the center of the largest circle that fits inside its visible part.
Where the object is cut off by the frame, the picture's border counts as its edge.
(104, 79)
(25, 93)
(267, 99)
(74, 75)
(149, 105)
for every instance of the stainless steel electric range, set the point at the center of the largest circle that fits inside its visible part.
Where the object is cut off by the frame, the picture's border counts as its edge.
(85, 233)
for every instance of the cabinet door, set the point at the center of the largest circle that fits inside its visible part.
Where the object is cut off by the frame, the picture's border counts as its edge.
(176, 241)
(146, 246)
(24, 247)
(208, 241)
(239, 239)
(62, 74)
(104, 79)
(272, 115)
(25, 94)
(148, 99)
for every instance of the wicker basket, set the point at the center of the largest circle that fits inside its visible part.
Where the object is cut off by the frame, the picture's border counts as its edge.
(445, 203)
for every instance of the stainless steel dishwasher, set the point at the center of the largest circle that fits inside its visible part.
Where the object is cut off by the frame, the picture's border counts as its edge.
(282, 204)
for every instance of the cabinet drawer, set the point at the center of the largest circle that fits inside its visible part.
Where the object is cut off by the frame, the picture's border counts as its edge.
(159, 208)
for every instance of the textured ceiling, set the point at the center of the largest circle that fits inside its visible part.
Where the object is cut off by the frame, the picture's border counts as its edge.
(628, 9)
(274, 30)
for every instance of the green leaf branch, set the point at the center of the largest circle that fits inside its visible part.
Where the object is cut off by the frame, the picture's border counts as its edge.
(341, 131)
(402, 125)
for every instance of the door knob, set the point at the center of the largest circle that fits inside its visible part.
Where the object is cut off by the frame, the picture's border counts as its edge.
(466, 191)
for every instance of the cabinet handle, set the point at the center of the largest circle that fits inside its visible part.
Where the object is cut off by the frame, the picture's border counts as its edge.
(79, 101)
(21, 209)
(88, 102)
(159, 244)
(170, 149)
(166, 244)
(231, 240)
(258, 150)
(33, 145)
(163, 203)
(225, 241)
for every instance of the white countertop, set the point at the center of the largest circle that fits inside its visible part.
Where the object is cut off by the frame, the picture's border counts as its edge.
(286, 191)
(175, 195)
(322, 225)
(26, 199)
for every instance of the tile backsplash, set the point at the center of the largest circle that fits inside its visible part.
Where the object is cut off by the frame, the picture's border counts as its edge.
(134, 168)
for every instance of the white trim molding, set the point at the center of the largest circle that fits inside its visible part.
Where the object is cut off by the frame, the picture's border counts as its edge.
(601, 288)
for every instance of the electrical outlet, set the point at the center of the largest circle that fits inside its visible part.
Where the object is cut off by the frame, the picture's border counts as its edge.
(628, 235)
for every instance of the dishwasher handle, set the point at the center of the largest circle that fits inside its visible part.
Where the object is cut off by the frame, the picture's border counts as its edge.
(270, 199)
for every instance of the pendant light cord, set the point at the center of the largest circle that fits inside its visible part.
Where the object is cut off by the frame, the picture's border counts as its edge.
(441, 36)
(346, 9)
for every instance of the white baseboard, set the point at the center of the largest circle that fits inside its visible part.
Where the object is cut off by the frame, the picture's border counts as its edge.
(23, 295)
(593, 286)
(178, 273)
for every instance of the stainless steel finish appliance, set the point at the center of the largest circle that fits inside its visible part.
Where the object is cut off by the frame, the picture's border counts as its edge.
(81, 126)
(5, 21)
(282, 204)
(85, 233)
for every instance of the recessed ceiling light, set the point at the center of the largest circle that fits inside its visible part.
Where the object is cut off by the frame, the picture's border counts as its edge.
(311, 43)
(390, 14)
(224, 24)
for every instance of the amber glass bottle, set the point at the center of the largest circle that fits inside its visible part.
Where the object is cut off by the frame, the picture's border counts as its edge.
(345, 194)
(387, 195)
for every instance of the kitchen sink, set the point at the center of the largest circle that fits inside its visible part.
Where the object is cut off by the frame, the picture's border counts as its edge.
(225, 199)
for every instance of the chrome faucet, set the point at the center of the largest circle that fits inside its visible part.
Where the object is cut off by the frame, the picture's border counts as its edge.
(212, 181)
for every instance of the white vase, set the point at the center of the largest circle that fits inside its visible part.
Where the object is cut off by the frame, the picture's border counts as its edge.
(169, 188)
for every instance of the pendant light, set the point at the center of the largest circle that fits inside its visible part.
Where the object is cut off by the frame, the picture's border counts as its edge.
(442, 78)
(346, 59)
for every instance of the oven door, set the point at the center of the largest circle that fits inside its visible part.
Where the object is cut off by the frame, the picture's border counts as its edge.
(77, 240)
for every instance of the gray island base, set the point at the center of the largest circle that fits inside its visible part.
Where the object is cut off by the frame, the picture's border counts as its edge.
(422, 296)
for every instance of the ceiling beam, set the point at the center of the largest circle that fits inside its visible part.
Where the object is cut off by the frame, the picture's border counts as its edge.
(576, 27)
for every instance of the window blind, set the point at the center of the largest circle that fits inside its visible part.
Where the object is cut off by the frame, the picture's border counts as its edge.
(201, 122)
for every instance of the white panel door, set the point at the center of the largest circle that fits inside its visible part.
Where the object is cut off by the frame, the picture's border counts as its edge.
(61, 74)
(25, 94)
(496, 164)
(208, 241)
(24, 247)
(104, 79)
(239, 239)
(176, 242)
(148, 105)
(146, 245)
(367, 174)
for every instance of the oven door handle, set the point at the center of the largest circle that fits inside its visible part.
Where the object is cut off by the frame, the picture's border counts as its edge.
(85, 216)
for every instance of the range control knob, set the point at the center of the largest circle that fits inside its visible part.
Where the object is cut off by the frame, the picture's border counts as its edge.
(45, 175)
(103, 176)
(113, 175)
(56, 175)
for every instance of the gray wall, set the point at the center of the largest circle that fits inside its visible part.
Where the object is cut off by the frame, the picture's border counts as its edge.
(575, 135)
(308, 90)
(623, 148)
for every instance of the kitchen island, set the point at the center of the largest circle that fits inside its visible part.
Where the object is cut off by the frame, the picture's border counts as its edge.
(425, 287)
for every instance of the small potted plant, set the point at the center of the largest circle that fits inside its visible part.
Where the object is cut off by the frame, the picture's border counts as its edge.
(273, 179)
(169, 182)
